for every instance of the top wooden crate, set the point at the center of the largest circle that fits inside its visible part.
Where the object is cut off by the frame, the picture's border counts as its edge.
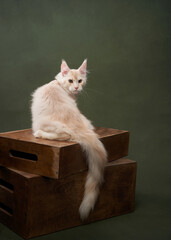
(56, 159)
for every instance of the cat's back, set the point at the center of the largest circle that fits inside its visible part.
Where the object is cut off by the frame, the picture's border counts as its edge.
(45, 98)
(49, 91)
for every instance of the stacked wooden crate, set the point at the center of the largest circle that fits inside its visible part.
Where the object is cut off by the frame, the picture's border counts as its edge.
(42, 182)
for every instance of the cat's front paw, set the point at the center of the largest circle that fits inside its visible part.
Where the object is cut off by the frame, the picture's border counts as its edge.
(38, 134)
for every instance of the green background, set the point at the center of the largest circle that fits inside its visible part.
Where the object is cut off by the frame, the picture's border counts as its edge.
(127, 44)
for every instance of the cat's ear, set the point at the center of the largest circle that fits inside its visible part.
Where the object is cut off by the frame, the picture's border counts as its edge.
(64, 68)
(83, 67)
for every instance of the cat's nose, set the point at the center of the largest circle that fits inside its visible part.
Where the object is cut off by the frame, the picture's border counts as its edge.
(76, 88)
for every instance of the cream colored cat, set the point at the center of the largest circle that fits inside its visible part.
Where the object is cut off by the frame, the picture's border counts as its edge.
(55, 116)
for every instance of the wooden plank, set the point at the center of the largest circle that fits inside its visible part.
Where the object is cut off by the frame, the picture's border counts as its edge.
(56, 159)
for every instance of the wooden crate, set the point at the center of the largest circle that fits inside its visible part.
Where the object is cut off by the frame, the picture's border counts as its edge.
(32, 205)
(56, 159)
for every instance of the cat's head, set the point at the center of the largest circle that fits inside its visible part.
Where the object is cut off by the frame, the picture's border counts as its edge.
(73, 80)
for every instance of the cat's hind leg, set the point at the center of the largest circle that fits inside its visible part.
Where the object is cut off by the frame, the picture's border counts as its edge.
(52, 130)
(52, 135)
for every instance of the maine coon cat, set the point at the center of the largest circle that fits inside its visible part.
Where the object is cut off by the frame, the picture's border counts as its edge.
(55, 116)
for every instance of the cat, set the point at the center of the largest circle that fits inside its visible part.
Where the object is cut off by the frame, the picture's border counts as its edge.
(55, 116)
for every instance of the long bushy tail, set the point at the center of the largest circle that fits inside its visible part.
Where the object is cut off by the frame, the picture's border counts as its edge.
(97, 158)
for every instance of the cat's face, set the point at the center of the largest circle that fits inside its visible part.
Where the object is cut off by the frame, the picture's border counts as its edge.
(73, 80)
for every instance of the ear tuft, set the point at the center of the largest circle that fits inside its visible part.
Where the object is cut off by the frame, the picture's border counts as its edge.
(64, 68)
(83, 67)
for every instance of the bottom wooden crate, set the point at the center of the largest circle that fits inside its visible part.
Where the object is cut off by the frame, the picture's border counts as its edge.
(32, 205)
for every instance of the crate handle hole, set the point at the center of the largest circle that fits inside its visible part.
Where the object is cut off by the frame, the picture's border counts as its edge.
(23, 155)
(6, 209)
(7, 185)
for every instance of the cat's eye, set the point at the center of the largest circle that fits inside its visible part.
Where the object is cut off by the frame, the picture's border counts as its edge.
(80, 80)
(70, 81)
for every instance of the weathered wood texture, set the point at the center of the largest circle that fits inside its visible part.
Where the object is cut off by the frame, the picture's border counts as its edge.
(56, 159)
(32, 205)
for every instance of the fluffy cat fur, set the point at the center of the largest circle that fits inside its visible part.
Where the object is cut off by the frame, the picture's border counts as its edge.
(55, 116)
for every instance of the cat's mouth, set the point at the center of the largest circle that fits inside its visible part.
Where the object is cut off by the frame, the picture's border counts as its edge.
(76, 92)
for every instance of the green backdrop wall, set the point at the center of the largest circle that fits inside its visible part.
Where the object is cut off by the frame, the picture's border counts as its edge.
(127, 44)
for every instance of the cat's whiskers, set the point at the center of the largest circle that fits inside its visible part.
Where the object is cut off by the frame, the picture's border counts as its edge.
(95, 91)
(86, 94)
(83, 96)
